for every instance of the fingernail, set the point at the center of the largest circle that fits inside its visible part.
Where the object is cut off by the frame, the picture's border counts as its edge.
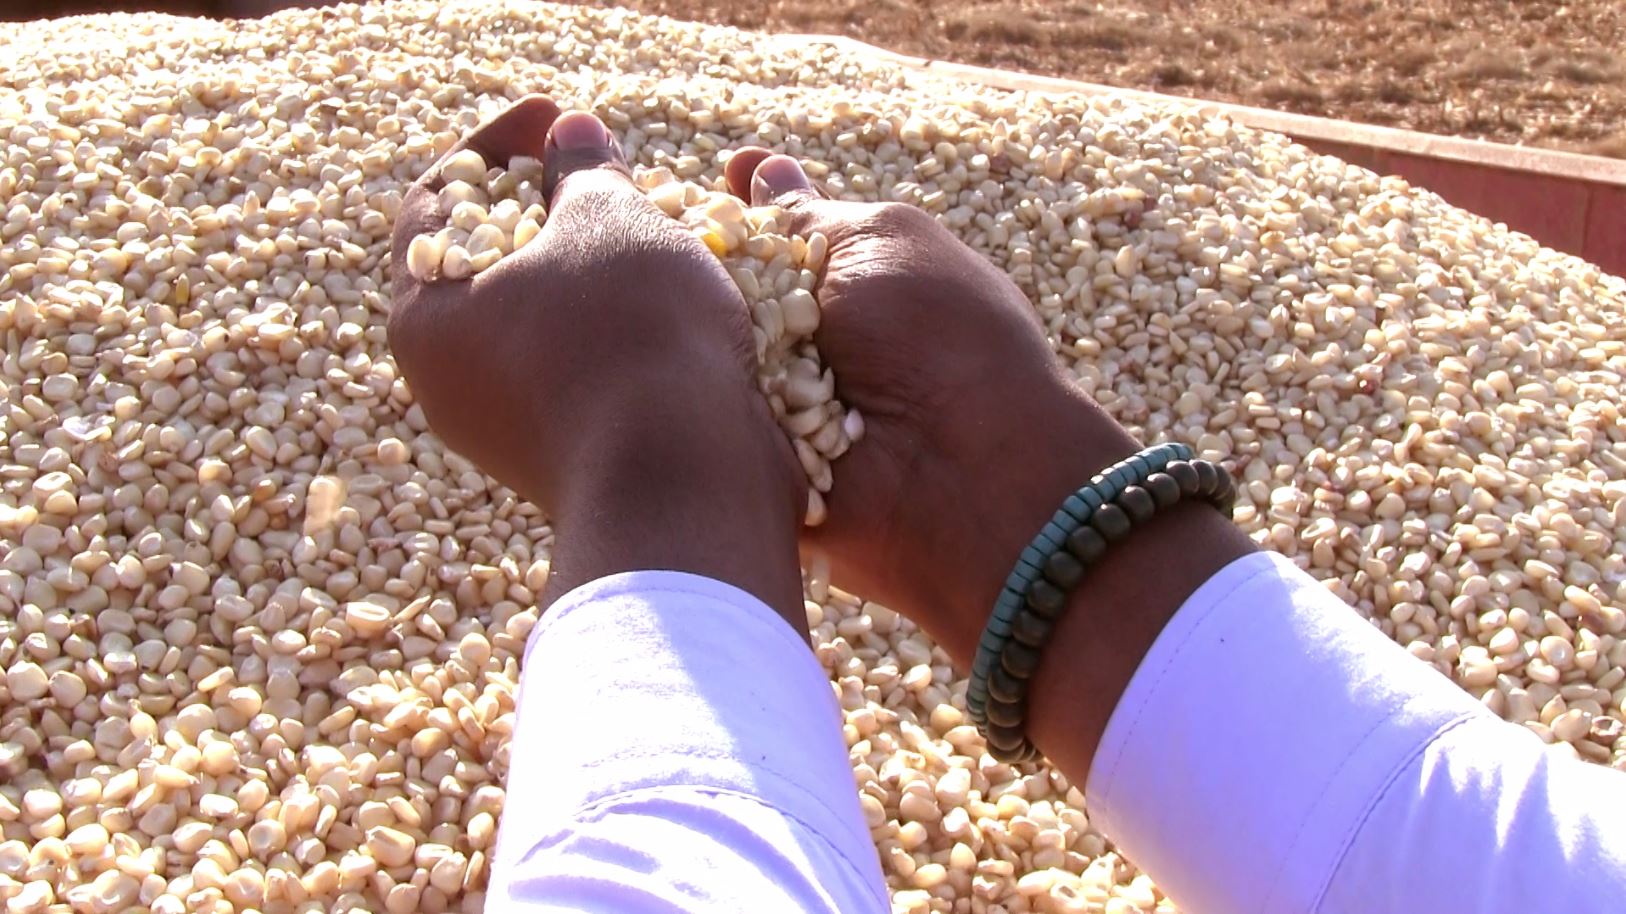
(781, 174)
(579, 130)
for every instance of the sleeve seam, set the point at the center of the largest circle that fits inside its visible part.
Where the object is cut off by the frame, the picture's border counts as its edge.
(877, 893)
(620, 585)
(1355, 828)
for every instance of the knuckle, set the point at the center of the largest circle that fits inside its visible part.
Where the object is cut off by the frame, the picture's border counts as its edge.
(902, 216)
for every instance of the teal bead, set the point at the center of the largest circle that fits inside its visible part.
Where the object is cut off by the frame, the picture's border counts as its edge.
(1092, 498)
(1008, 604)
(1056, 536)
(1065, 522)
(1002, 627)
(985, 660)
(1077, 508)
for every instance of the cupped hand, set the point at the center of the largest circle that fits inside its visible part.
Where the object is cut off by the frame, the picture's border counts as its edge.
(604, 370)
(974, 434)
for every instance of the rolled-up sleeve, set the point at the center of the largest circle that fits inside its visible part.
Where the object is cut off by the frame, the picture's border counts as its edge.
(678, 748)
(1276, 754)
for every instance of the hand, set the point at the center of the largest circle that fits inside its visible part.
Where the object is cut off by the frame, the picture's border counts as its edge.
(604, 371)
(948, 364)
(974, 436)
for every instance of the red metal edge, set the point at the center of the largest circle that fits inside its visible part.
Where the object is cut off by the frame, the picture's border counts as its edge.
(1569, 202)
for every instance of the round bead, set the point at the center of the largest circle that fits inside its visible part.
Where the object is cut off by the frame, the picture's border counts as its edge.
(1086, 544)
(1137, 503)
(1019, 660)
(1005, 714)
(1186, 475)
(1224, 497)
(1111, 522)
(1165, 491)
(1207, 476)
(1046, 599)
(1063, 570)
(1027, 755)
(1005, 739)
(1002, 686)
(1031, 629)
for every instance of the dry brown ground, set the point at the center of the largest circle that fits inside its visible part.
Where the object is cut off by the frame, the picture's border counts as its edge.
(1542, 72)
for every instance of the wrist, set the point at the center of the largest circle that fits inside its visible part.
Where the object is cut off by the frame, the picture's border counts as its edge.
(703, 485)
(1031, 455)
(1112, 620)
(1037, 454)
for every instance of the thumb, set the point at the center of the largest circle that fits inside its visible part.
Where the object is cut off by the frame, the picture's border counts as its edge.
(762, 178)
(780, 179)
(579, 142)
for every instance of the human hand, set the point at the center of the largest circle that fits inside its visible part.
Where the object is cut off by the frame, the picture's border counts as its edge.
(973, 437)
(605, 371)
(960, 393)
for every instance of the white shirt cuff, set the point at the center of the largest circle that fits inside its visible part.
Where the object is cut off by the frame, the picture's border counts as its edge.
(676, 740)
(1248, 749)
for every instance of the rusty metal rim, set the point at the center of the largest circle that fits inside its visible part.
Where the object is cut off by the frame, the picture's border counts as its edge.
(1574, 166)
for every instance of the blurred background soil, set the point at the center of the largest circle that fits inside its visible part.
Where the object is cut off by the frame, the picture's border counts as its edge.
(1539, 72)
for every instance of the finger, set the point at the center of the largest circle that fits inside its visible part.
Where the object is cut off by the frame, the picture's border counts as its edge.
(521, 129)
(779, 179)
(578, 143)
(742, 165)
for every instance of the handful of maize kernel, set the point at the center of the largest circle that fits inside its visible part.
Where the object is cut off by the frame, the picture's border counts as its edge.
(493, 212)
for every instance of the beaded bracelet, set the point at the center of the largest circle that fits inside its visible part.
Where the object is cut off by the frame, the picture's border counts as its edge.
(1035, 594)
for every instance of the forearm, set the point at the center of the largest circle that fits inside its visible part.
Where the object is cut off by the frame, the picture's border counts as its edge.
(680, 491)
(1112, 621)
(1124, 600)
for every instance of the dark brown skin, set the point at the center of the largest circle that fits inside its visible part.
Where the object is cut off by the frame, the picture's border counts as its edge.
(606, 373)
(974, 436)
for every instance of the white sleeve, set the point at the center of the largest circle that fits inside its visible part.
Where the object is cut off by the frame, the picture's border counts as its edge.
(678, 749)
(1275, 753)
